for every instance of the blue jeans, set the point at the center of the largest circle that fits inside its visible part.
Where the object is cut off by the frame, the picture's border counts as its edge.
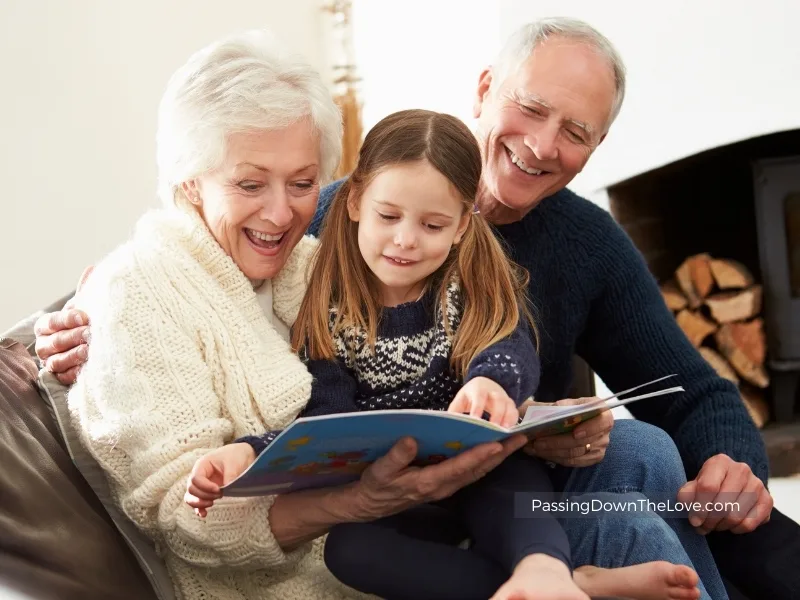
(641, 462)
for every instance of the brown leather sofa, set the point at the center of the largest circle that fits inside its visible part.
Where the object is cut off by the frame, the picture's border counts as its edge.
(56, 539)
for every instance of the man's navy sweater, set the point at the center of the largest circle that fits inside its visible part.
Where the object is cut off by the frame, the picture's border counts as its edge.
(594, 296)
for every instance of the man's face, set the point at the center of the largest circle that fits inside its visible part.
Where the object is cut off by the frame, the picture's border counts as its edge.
(540, 125)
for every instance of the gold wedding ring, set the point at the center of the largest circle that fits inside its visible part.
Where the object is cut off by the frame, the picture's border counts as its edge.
(588, 448)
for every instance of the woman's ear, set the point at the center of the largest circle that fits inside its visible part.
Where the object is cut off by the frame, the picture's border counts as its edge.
(192, 192)
(353, 207)
(462, 227)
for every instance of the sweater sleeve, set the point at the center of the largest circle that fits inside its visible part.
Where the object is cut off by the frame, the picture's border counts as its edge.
(631, 337)
(333, 389)
(147, 407)
(512, 363)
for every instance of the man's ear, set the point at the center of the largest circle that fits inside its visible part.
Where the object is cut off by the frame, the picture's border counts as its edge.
(484, 83)
(353, 207)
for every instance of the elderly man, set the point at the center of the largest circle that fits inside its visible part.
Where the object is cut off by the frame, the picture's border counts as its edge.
(544, 106)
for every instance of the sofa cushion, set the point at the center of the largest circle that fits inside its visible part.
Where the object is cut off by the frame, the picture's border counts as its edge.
(56, 540)
(55, 393)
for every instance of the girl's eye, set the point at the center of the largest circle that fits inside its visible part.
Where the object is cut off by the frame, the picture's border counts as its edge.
(435, 227)
(387, 217)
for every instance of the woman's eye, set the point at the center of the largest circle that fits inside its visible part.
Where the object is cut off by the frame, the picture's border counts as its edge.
(304, 185)
(249, 186)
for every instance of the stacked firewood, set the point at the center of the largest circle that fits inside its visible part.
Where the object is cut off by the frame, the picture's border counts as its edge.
(718, 307)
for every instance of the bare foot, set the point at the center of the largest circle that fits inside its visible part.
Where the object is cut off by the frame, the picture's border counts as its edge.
(658, 580)
(540, 577)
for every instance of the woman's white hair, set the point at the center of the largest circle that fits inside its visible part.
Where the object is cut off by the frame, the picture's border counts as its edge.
(519, 47)
(241, 83)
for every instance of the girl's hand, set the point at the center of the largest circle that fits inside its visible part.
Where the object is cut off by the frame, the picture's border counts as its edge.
(216, 469)
(482, 394)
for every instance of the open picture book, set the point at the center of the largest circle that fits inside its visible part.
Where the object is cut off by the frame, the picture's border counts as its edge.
(330, 450)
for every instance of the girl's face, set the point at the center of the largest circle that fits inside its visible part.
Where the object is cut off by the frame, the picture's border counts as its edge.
(409, 217)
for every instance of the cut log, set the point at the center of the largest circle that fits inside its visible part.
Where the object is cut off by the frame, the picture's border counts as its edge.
(730, 274)
(695, 326)
(727, 307)
(673, 296)
(744, 346)
(756, 405)
(720, 365)
(695, 278)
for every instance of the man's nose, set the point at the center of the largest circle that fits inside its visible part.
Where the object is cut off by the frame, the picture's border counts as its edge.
(544, 142)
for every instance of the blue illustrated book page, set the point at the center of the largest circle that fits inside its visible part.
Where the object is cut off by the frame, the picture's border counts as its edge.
(330, 450)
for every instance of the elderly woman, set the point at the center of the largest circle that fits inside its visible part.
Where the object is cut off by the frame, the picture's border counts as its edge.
(190, 321)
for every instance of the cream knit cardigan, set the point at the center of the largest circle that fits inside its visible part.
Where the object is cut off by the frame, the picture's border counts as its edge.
(182, 360)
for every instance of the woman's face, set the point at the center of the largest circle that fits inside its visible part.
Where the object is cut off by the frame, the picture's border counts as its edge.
(259, 202)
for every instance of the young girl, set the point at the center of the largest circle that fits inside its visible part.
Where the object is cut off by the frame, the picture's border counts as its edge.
(412, 303)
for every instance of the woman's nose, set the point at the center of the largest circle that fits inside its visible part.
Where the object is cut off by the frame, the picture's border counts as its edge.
(277, 209)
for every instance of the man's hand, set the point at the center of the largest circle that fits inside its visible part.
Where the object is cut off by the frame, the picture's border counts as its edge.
(584, 446)
(483, 394)
(62, 338)
(723, 481)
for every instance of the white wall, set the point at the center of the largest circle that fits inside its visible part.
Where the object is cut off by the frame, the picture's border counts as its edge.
(422, 54)
(80, 87)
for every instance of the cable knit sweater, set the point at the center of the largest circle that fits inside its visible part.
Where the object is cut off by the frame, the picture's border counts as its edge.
(183, 360)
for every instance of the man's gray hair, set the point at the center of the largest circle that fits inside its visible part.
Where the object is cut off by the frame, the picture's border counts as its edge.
(519, 47)
(242, 83)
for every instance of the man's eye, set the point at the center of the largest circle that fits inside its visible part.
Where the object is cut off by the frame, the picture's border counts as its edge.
(575, 137)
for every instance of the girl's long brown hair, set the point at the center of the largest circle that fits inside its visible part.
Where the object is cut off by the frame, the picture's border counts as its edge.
(492, 288)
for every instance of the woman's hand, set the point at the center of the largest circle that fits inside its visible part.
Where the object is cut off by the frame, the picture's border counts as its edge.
(214, 470)
(390, 485)
(483, 394)
(584, 446)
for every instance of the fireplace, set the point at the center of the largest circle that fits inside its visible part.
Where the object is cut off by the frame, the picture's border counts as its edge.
(777, 211)
(739, 202)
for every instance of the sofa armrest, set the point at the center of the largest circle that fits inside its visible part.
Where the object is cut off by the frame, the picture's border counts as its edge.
(56, 539)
